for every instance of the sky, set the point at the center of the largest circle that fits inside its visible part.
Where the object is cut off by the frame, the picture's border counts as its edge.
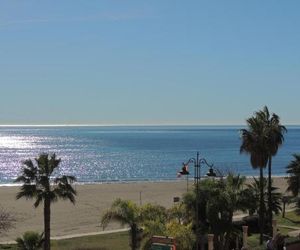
(148, 62)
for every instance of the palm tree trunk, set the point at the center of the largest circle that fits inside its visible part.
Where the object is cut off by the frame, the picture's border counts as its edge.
(270, 214)
(47, 224)
(261, 206)
(283, 210)
(133, 236)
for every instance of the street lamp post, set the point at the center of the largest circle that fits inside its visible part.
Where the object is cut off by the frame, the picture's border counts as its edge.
(198, 162)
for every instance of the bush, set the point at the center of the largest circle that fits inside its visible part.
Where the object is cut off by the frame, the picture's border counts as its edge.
(7, 220)
(30, 241)
(252, 222)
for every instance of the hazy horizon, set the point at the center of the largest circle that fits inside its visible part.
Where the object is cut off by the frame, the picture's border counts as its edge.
(130, 125)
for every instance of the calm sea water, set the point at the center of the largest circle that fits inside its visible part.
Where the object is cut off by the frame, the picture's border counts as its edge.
(104, 154)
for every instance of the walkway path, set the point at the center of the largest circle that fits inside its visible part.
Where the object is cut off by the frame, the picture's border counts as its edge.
(294, 233)
(70, 236)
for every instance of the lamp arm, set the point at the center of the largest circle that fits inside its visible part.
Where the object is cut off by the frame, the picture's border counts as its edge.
(203, 161)
(192, 160)
(219, 172)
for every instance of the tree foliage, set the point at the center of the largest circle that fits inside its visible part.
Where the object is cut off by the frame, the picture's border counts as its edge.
(41, 184)
(183, 234)
(144, 221)
(274, 132)
(255, 144)
(7, 220)
(293, 169)
(252, 193)
(218, 200)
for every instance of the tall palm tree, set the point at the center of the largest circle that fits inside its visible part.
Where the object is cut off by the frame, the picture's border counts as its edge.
(254, 143)
(127, 213)
(275, 138)
(293, 169)
(39, 185)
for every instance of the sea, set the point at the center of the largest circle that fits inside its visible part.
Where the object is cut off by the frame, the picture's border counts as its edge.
(103, 154)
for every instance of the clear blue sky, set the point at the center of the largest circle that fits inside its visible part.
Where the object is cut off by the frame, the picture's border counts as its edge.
(148, 62)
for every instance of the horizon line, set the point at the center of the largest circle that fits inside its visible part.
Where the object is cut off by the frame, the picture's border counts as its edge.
(124, 125)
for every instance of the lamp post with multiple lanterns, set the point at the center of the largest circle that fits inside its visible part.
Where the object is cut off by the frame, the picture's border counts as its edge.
(198, 163)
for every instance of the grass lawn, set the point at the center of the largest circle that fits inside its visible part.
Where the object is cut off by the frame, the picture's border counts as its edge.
(291, 219)
(114, 241)
(284, 231)
(120, 241)
(253, 243)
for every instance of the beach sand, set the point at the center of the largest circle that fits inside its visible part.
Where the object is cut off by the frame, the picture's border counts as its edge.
(91, 202)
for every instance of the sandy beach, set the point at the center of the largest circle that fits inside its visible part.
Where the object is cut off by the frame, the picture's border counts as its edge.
(92, 201)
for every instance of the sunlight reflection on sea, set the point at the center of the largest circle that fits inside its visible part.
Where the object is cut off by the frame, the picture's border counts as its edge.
(102, 154)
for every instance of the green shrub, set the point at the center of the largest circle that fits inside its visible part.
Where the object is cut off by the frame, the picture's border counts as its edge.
(30, 241)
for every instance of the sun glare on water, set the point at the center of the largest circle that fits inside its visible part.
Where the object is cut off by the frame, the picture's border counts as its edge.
(15, 142)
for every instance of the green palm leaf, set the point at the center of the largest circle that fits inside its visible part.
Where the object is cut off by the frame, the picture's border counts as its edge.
(38, 185)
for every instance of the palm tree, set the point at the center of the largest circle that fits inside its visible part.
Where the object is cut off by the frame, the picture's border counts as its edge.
(127, 213)
(275, 139)
(252, 193)
(293, 169)
(39, 185)
(254, 143)
(218, 201)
